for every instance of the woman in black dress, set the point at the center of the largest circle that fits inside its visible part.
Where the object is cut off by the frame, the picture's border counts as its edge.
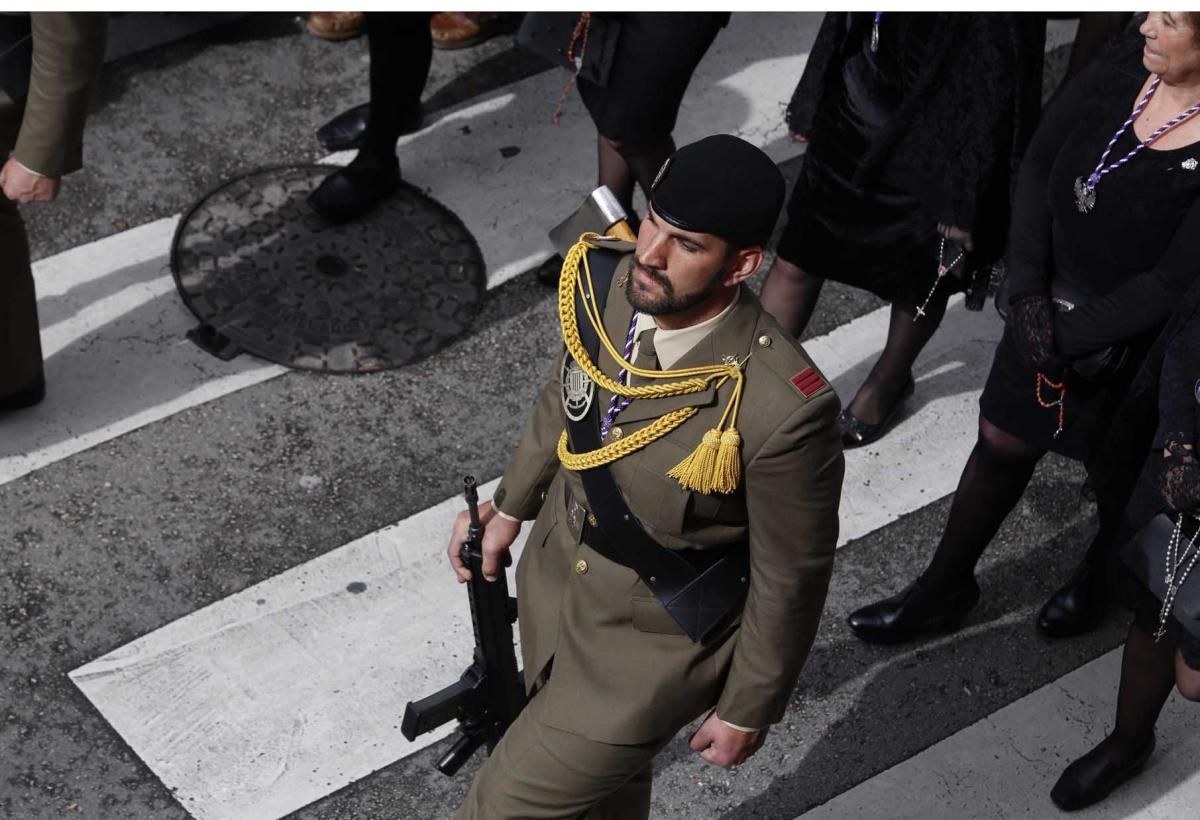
(1168, 478)
(643, 64)
(916, 124)
(632, 71)
(1106, 217)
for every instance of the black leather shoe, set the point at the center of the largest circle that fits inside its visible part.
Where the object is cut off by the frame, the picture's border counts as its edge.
(1077, 607)
(354, 191)
(345, 131)
(917, 610)
(27, 396)
(857, 433)
(1092, 777)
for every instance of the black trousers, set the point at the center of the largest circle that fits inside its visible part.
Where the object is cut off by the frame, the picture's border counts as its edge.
(401, 50)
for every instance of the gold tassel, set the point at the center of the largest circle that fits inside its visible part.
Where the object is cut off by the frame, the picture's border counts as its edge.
(696, 471)
(727, 472)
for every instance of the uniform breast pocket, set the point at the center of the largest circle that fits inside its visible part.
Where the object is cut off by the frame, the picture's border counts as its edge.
(657, 500)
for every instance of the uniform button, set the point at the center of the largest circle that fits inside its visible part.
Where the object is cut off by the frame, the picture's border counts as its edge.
(615, 433)
(764, 340)
(592, 520)
(543, 495)
(581, 567)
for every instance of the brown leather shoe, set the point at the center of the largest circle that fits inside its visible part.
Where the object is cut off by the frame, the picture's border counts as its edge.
(335, 25)
(463, 29)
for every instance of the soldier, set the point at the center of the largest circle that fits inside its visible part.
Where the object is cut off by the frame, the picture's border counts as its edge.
(48, 67)
(656, 585)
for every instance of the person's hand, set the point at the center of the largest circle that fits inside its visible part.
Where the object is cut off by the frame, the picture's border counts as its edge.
(797, 137)
(22, 185)
(1032, 320)
(1181, 477)
(957, 234)
(722, 745)
(498, 535)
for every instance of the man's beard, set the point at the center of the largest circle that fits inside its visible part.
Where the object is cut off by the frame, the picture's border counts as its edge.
(667, 302)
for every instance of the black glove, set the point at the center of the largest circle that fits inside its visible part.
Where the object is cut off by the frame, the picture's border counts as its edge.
(1181, 478)
(1032, 321)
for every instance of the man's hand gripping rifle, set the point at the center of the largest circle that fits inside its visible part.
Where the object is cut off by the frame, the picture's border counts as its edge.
(490, 693)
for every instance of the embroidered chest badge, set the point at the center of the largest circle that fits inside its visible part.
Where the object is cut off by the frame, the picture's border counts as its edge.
(1190, 164)
(578, 390)
(808, 382)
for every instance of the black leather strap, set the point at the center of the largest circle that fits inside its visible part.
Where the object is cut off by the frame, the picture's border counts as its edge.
(16, 54)
(698, 588)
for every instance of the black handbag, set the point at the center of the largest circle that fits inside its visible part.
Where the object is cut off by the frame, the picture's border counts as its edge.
(1163, 556)
(1065, 297)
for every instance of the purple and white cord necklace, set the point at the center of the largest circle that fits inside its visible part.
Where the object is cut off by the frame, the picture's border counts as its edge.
(1085, 190)
(875, 31)
(618, 403)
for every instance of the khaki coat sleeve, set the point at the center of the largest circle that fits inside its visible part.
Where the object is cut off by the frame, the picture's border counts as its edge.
(793, 489)
(68, 49)
(535, 462)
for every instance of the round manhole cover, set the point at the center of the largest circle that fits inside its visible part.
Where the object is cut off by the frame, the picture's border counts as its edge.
(266, 275)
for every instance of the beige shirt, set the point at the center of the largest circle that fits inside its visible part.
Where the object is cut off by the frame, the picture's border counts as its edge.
(673, 345)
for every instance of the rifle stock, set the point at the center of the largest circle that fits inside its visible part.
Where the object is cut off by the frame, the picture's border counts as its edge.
(490, 693)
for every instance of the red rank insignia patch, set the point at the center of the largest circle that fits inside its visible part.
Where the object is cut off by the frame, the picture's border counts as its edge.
(808, 382)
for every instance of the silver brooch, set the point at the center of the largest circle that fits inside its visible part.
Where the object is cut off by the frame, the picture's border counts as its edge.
(578, 390)
(1190, 164)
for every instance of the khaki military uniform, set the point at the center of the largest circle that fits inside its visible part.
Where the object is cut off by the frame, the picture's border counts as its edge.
(44, 132)
(621, 678)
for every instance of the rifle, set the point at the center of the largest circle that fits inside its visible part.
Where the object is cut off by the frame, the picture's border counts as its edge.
(490, 694)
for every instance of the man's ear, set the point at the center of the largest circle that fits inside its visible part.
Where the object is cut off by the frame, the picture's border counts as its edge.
(742, 264)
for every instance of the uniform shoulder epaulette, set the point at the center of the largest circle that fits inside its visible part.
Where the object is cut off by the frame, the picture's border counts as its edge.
(789, 362)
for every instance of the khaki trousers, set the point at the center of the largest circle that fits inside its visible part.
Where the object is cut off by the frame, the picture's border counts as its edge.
(538, 772)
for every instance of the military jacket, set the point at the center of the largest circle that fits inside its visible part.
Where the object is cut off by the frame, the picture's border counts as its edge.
(623, 671)
(44, 129)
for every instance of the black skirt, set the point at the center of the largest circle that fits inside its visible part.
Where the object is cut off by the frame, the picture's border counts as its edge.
(653, 60)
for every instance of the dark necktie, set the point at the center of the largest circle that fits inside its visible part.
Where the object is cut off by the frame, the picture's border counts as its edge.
(646, 358)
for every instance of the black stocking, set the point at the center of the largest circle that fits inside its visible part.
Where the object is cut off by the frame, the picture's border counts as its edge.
(790, 295)
(996, 475)
(621, 165)
(905, 340)
(1147, 676)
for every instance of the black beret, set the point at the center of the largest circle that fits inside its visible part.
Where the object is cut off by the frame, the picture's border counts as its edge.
(721, 185)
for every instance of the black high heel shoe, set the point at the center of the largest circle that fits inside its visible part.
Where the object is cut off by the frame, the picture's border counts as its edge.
(1077, 607)
(1093, 777)
(918, 610)
(858, 433)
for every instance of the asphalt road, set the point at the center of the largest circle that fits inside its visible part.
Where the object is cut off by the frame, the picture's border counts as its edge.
(116, 541)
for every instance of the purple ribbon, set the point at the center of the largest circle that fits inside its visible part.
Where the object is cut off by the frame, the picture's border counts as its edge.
(618, 403)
